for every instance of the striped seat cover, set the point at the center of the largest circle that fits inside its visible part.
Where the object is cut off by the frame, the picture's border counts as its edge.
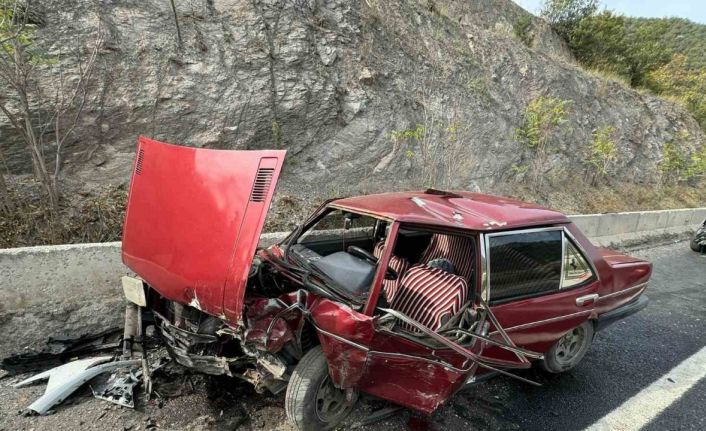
(430, 296)
(457, 249)
(399, 264)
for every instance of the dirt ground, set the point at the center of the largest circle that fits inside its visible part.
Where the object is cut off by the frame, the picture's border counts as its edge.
(202, 403)
(185, 401)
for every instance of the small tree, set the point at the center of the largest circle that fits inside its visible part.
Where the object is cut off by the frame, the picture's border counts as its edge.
(602, 153)
(42, 120)
(564, 15)
(678, 165)
(541, 119)
(6, 204)
(673, 162)
(437, 147)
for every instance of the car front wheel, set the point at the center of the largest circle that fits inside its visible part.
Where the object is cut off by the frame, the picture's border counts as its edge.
(569, 350)
(312, 401)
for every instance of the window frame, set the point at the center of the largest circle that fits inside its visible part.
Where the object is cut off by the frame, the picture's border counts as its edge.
(566, 238)
(310, 226)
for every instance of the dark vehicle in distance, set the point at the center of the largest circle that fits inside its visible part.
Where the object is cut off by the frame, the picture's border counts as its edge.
(698, 242)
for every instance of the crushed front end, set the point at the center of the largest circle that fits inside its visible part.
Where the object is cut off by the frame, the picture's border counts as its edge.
(261, 351)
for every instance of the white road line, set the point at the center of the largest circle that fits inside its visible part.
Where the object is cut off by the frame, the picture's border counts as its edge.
(647, 404)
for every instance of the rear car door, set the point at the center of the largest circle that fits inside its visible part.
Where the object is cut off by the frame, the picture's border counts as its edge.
(539, 285)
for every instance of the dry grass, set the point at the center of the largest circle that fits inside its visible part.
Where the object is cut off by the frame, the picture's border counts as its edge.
(608, 76)
(99, 217)
(96, 218)
(581, 199)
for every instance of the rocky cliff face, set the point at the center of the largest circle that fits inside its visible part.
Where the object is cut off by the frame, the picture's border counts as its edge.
(365, 95)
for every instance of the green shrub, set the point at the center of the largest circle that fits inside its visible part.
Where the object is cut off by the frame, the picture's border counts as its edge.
(678, 166)
(401, 135)
(541, 118)
(603, 152)
(696, 165)
(682, 83)
(603, 42)
(523, 30)
(673, 162)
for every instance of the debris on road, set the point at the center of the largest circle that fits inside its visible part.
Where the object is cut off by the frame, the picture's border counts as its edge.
(65, 379)
(61, 349)
(120, 386)
(69, 373)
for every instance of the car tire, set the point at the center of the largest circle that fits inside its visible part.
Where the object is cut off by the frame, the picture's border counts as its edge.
(312, 401)
(566, 353)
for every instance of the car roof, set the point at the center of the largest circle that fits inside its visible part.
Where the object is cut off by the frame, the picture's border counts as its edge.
(457, 209)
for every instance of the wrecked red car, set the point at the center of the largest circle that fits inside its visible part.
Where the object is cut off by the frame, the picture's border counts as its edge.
(406, 296)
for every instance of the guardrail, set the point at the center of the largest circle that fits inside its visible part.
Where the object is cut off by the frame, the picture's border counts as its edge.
(82, 272)
(624, 228)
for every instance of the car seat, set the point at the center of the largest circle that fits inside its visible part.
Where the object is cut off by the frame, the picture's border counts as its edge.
(431, 296)
(459, 250)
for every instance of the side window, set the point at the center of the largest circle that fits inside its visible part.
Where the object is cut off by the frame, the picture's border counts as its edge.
(576, 268)
(525, 263)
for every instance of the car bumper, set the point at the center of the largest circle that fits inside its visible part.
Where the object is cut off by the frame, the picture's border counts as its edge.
(607, 319)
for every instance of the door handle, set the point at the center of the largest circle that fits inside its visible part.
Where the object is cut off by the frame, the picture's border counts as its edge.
(586, 299)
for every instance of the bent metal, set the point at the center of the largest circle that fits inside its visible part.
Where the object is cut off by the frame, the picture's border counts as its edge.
(423, 291)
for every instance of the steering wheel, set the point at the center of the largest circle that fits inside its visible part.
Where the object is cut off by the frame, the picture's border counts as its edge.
(363, 254)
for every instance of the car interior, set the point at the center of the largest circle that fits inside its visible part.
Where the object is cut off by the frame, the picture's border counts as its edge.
(430, 276)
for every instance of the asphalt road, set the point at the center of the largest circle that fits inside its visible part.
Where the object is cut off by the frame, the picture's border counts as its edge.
(624, 360)
(633, 353)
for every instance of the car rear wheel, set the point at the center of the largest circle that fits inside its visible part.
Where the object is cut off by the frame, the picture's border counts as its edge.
(569, 350)
(312, 401)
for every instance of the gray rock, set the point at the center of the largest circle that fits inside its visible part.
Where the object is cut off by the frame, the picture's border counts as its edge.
(331, 82)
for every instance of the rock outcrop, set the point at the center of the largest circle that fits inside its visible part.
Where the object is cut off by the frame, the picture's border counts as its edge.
(365, 95)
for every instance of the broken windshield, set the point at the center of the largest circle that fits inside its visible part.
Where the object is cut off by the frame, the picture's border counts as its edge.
(335, 228)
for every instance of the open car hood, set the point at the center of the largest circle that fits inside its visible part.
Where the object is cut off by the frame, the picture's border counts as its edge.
(193, 221)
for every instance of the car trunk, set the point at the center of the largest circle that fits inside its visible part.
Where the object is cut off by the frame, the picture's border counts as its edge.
(627, 271)
(193, 221)
(616, 258)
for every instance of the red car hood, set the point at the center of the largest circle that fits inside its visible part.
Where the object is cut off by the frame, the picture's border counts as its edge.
(193, 221)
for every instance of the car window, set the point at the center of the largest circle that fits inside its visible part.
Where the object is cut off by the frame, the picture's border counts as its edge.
(524, 263)
(576, 268)
(333, 226)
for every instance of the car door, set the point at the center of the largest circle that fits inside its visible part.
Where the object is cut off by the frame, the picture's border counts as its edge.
(407, 370)
(365, 356)
(539, 285)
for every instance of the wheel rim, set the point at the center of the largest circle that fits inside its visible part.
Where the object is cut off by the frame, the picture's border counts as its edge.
(331, 403)
(570, 346)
